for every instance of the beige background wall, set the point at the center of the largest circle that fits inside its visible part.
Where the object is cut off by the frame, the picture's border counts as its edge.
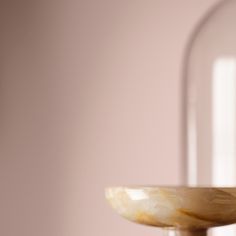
(90, 97)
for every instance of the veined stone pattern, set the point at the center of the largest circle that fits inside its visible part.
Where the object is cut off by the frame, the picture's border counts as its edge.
(182, 208)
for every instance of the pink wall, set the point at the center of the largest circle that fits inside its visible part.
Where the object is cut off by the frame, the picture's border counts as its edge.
(90, 97)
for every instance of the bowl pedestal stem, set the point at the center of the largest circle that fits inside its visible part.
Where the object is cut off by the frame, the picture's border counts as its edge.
(186, 232)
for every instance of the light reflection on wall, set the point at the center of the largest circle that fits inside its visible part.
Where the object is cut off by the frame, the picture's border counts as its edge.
(223, 128)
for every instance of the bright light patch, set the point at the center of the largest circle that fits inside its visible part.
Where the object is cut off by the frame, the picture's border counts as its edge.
(224, 109)
(136, 194)
(223, 128)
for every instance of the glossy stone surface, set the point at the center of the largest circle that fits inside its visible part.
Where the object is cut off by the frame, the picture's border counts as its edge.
(182, 208)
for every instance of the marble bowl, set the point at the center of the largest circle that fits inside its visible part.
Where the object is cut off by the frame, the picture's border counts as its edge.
(182, 208)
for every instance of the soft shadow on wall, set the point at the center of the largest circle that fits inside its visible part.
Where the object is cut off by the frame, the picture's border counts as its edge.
(90, 97)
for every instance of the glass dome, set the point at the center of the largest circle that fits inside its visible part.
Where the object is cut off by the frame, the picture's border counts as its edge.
(210, 100)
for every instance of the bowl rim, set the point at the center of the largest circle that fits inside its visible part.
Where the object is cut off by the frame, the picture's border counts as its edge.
(170, 187)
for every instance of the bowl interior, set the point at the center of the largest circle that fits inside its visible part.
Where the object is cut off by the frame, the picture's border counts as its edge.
(178, 207)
